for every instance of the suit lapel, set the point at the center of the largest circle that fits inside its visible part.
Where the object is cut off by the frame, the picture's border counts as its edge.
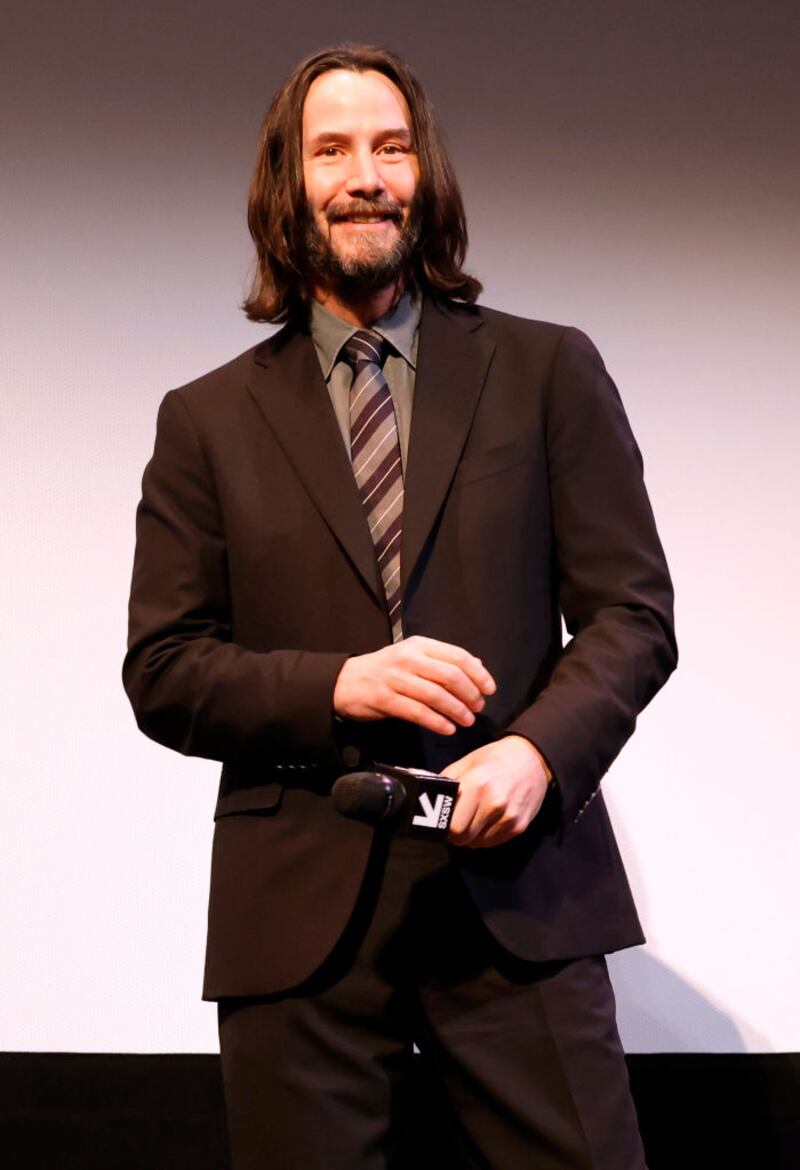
(452, 362)
(288, 386)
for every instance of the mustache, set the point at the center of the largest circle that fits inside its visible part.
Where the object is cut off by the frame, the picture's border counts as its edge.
(384, 207)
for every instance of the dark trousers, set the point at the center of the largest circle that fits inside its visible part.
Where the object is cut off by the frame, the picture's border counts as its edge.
(527, 1055)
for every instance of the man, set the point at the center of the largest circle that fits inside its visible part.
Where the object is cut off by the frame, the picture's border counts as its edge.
(355, 544)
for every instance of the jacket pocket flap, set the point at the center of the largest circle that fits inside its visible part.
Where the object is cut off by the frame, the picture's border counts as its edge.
(255, 798)
(482, 464)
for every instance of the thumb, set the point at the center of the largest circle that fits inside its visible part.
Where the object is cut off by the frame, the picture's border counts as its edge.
(457, 769)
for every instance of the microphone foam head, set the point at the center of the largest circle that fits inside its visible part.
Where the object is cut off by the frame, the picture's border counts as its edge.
(365, 796)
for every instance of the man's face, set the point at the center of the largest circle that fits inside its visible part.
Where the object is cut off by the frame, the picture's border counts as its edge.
(361, 173)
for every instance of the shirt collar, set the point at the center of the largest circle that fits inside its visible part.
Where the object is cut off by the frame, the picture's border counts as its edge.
(398, 326)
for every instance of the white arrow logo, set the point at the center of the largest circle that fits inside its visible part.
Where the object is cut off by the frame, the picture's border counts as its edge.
(430, 819)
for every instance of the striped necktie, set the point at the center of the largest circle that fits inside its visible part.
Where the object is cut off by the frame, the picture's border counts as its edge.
(375, 454)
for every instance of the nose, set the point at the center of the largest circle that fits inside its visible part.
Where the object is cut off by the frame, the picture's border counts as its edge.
(364, 177)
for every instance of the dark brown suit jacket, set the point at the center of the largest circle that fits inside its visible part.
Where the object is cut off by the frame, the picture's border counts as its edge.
(255, 577)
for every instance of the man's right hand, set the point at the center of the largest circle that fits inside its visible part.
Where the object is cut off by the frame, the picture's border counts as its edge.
(421, 680)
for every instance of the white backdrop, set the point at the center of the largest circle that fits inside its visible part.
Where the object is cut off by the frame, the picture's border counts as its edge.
(626, 171)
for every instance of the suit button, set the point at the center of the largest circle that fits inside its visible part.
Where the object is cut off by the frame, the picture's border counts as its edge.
(351, 756)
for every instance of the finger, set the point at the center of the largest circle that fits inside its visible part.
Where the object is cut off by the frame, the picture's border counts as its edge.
(460, 832)
(412, 711)
(458, 768)
(485, 828)
(487, 805)
(505, 828)
(453, 679)
(497, 832)
(462, 658)
(405, 680)
(462, 827)
(438, 699)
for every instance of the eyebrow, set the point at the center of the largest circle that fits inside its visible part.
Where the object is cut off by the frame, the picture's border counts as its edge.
(327, 136)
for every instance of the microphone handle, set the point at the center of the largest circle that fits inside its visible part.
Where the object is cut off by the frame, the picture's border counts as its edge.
(430, 802)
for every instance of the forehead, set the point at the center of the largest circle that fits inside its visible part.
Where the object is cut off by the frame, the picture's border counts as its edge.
(345, 99)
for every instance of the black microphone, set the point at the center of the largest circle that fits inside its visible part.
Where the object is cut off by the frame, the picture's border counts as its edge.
(420, 803)
(368, 796)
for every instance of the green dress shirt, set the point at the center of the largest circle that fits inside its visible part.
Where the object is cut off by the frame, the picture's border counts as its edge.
(400, 328)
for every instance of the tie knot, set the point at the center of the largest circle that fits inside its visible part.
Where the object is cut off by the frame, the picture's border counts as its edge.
(365, 348)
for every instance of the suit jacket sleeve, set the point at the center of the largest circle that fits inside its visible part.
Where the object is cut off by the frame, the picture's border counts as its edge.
(614, 587)
(191, 687)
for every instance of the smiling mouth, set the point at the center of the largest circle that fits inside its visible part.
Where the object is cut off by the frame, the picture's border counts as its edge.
(361, 221)
(366, 215)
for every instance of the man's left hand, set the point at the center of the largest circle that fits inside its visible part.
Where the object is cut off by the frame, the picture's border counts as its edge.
(501, 789)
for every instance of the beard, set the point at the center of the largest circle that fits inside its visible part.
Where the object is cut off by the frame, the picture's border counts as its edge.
(371, 265)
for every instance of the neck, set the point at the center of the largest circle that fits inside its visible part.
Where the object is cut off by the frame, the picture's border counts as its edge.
(361, 311)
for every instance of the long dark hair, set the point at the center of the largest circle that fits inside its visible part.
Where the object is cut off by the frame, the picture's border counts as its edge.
(276, 212)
